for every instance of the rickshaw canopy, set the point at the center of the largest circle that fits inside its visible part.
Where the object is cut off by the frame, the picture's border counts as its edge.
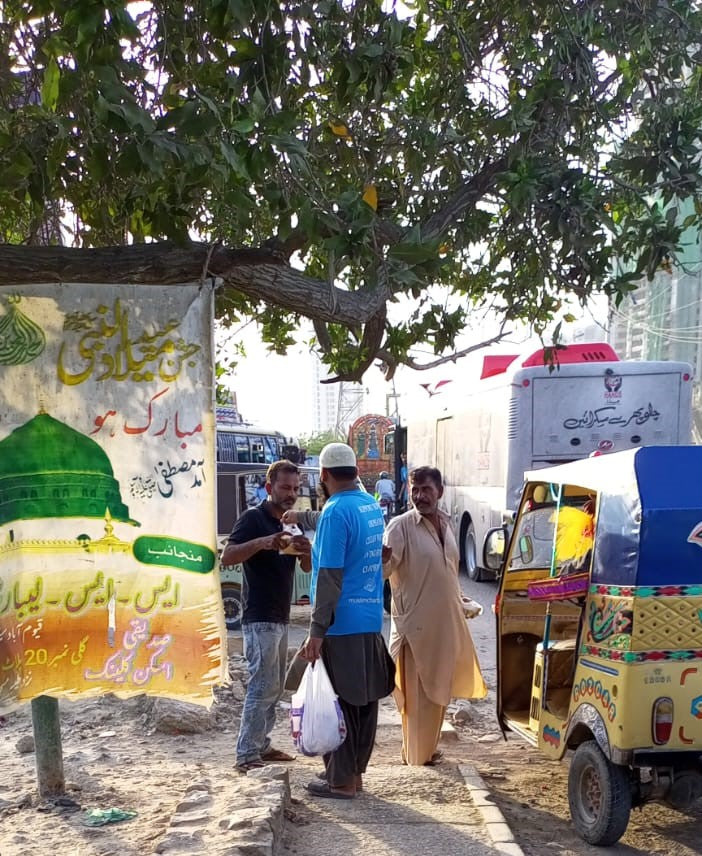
(648, 529)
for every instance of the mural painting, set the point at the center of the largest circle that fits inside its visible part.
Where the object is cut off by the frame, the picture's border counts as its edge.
(107, 509)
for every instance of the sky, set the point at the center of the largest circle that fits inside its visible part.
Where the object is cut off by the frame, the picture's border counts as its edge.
(277, 392)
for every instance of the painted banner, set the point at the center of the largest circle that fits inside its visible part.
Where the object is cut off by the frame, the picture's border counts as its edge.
(108, 579)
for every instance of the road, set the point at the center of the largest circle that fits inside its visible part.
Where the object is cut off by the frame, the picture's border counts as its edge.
(482, 628)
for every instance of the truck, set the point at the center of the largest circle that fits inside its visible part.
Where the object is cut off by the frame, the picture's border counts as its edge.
(528, 413)
(371, 437)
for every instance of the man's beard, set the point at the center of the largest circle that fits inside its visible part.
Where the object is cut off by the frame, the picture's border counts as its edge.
(325, 490)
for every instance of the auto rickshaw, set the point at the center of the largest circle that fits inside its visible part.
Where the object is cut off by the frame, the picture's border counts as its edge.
(599, 629)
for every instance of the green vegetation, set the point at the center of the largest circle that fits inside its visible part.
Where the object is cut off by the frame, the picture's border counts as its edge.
(503, 153)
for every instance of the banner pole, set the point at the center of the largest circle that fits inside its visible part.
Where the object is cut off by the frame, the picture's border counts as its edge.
(47, 746)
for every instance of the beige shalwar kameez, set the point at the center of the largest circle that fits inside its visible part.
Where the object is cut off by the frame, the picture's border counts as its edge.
(429, 638)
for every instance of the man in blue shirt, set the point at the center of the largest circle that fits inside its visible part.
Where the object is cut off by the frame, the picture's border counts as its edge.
(347, 617)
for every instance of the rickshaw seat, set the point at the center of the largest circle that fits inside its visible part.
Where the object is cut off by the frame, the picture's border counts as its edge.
(561, 644)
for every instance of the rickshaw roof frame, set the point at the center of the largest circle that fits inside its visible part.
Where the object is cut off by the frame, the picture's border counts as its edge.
(649, 520)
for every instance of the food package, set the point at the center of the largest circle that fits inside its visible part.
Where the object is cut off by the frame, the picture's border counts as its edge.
(290, 530)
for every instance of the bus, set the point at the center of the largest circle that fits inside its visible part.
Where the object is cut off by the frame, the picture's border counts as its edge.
(524, 415)
(242, 443)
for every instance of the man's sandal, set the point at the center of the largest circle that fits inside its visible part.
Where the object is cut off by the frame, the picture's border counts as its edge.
(323, 789)
(253, 764)
(359, 780)
(273, 754)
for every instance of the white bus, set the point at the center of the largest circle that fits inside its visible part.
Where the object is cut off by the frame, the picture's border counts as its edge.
(523, 415)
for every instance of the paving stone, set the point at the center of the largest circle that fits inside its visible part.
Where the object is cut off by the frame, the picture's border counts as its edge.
(182, 842)
(245, 818)
(190, 818)
(193, 800)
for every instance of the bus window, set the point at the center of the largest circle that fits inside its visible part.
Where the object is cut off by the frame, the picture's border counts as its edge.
(257, 453)
(271, 449)
(243, 456)
(226, 447)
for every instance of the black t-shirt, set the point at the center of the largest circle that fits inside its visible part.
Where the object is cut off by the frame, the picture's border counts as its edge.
(268, 576)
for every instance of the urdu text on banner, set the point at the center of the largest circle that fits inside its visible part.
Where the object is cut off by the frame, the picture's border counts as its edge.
(108, 576)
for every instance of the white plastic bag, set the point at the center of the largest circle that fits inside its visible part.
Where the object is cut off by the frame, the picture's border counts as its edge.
(316, 721)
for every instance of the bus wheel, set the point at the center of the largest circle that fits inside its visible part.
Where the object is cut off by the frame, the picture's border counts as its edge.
(470, 555)
(599, 794)
(231, 598)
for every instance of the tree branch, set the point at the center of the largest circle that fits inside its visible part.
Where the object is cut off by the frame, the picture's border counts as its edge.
(392, 362)
(373, 333)
(259, 274)
(466, 196)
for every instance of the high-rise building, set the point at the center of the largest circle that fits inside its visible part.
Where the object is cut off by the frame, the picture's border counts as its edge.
(662, 318)
(324, 397)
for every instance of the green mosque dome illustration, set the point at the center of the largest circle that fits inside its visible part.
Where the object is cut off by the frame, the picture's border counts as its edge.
(48, 469)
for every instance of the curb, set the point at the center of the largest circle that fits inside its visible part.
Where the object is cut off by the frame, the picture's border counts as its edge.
(495, 823)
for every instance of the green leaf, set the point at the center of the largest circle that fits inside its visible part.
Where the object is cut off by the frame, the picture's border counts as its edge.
(50, 85)
(232, 157)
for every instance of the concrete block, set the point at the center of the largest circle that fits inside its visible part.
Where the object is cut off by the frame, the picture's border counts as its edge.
(190, 818)
(193, 800)
(509, 848)
(258, 845)
(245, 818)
(491, 814)
(275, 779)
(448, 733)
(481, 798)
(499, 832)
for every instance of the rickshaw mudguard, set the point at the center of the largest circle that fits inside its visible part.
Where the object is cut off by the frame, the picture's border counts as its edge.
(587, 722)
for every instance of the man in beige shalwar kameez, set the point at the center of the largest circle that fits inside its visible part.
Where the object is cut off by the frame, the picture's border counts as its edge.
(429, 639)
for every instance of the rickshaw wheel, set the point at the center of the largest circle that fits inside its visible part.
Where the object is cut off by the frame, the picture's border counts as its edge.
(599, 794)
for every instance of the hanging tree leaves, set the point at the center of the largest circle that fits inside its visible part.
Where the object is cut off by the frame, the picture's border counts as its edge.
(325, 159)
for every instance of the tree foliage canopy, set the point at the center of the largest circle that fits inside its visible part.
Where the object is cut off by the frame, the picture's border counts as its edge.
(504, 153)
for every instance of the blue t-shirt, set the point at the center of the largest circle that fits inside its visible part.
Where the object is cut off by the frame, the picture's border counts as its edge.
(350, 536)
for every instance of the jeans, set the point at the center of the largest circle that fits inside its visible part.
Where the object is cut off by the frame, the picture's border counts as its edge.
(266, 652)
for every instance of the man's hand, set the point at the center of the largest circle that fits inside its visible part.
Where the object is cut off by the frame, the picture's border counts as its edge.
(289, 517)
(301, 545)
(272, 542)
(387, 553)
(310, 650)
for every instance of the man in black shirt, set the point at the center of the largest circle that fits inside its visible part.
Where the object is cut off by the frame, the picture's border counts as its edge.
(256, 541)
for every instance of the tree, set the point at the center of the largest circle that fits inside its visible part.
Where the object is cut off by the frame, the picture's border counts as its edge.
(333, 157)
(316, 442)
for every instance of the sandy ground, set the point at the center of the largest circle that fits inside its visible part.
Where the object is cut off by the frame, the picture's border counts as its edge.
(532, 793)
(114, 758)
